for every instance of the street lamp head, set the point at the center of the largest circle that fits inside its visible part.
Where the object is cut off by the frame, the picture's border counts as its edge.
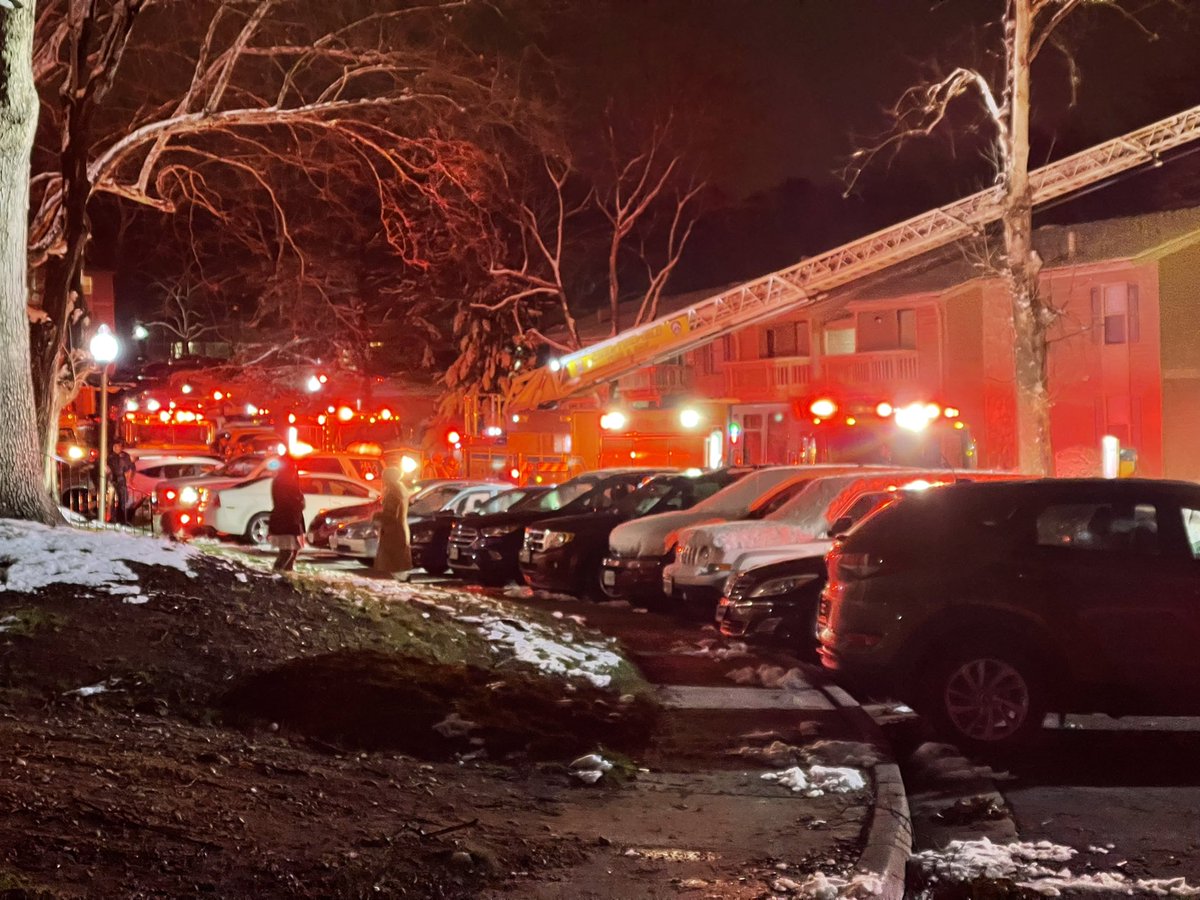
(103, 346)
(140, 332)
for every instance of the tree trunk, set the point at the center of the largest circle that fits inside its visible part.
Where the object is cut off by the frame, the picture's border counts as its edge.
(22, 495)
(1022, 265)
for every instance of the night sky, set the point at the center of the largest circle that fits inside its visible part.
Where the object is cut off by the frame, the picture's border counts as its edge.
(815, 74)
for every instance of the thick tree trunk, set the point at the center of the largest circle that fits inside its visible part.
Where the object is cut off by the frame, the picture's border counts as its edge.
(22, 495)
(1022, 265)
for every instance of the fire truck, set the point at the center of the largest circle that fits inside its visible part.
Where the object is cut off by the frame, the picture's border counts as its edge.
(563, 417)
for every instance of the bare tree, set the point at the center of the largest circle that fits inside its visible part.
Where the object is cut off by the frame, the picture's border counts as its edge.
(1028, 28)
(21, 493)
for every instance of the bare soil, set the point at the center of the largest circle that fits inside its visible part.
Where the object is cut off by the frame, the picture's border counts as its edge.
(260, 737)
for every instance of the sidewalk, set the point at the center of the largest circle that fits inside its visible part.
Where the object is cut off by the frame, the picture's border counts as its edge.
(700, 819)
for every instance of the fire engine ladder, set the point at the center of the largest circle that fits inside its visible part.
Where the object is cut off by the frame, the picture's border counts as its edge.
(806, 282)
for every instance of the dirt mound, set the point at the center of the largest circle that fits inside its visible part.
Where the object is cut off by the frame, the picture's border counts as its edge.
(370, 700)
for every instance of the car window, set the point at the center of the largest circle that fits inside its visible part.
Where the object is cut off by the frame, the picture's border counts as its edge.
(156, 472)
(1104, 526)
(472, 501)
(240, 467)
(313, 486)
(1191, 525)
(779, 499)
(432, 499)
(368, 467)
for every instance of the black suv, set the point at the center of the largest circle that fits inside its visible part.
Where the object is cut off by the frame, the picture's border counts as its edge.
(487, 547)
(431, 536)
(985, 605)
(565, 553)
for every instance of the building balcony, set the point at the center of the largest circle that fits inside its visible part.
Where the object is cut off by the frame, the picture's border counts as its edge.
(784, 377)
(767, 379)
(884, 367)
(653, 382)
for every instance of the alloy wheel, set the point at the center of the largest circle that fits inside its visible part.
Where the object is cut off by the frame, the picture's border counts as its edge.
(987, 699)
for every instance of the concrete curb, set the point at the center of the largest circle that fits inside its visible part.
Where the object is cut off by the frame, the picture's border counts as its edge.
(890, 834)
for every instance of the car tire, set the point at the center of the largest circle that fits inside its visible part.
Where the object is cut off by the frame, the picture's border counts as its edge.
(257, 529)
(591, 571)
(986, 698)
(436, 564)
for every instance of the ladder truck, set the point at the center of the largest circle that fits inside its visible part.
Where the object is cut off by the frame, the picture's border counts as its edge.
(812, 280)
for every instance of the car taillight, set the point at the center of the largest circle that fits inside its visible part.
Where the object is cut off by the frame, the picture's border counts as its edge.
(169, 495)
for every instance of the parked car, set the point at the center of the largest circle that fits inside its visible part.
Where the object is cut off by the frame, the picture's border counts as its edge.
(709, 554)
(431, 534)
(488, 547)
(177, 500)
(325, 524)
(986, 605)
(638, 550)
(772, 591)
(566, 554)
(151, 469)
(243, 510)
(360, 538)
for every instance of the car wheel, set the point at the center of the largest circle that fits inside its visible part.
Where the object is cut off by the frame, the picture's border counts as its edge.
(986, 698)
(258, 529)
(591, 587)
(436, 564)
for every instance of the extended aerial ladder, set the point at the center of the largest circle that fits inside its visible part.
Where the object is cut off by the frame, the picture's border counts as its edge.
(807, 282)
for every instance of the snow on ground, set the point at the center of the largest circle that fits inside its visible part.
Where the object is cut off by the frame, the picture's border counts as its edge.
(711, 647)
(33, 556)
(842, 753)
(525, 592)
(946, 762)
(775, 677)
(559, 650)
(1038, 867)
(819, 780)
(820, 886)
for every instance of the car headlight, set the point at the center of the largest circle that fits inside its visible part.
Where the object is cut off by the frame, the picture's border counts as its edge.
(75, 453)
(776, 586)
(189, 496)
(555, 539)
(495, 531)
(704, 555)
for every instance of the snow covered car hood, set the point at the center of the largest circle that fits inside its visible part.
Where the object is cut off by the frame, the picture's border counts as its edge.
(654, 535)
(767, 556)
(733, 536)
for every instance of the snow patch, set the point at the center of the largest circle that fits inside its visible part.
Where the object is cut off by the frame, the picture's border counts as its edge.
(34, 556)
(711, 647)
(819, 780)
(775, 677)
(590, 768)
(842, 753)
(945, 761)
(820, 886)
(1038, 867)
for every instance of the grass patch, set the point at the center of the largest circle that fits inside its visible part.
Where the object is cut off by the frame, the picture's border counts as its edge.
(26, 621)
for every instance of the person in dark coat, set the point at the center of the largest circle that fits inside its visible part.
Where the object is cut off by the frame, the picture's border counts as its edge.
(285, 528)
(120, 468)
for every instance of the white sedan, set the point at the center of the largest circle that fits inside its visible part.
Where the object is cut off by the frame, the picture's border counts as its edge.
(244, 509)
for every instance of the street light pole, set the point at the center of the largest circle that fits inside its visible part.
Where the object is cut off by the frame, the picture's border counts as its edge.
(102, 462)
(104, 349)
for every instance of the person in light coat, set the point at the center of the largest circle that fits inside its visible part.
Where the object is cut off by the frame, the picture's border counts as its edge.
(394, 556)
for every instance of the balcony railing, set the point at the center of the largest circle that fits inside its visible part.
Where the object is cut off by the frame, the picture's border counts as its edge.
(889, 367)
(767, 377)
(787, 376)
(663, 379)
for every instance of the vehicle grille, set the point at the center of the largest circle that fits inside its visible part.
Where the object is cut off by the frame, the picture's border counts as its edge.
(739, 587)
(687, 555)
(535, 539)
(463, 536)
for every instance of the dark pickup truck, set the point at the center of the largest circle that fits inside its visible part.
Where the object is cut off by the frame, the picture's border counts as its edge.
(564, 554)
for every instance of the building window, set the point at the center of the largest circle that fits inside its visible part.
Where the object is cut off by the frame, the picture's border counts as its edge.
(803, 340)
(906, 320)
(1116, 317)
(840, 338)
(728, 353)
(705, 359)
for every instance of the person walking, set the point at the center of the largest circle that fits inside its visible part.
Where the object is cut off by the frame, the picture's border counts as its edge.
(120, 467)
(394, 556)
(285, 528)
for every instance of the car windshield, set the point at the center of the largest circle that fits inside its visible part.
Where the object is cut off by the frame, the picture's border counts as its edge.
(740, 496)
(239, 468)
(563, 495)
(660, 492)
(508, 500)
(432, 499)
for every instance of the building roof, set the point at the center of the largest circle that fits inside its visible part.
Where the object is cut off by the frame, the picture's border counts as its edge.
(1060, 246)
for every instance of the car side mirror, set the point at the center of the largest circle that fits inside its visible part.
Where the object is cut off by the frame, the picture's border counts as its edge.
(841, 526)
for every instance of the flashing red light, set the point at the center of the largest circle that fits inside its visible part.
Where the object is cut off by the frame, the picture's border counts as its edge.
(850, 420)
(345, 414)
(453, 437)
(823, 408)
(218, 395)
(291, 418)
(884, 410)
(322, 378)
(514, 473)
(184, 519)
(170, 495)
(950, 412)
